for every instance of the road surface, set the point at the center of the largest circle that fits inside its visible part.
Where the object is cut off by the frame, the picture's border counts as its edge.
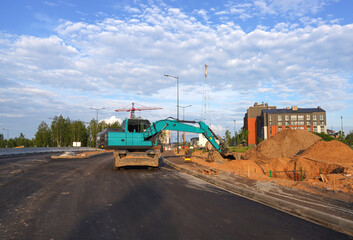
(41, 198)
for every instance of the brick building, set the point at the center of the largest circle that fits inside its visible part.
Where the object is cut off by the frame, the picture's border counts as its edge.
(252, 121)
(264, 122)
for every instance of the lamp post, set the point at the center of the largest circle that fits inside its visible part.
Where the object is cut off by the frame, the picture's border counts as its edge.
(97, 109)
(184, 119)
(235, 133)
(7, 130)
(177, 78)
(341, 127)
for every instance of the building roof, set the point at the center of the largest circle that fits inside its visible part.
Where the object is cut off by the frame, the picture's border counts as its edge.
(299, 110)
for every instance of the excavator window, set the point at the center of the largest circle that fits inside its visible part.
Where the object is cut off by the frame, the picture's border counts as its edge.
(138, 125)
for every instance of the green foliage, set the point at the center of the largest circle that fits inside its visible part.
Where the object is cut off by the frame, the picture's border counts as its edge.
(349, 139)
(239, 149)
(229, 138)
(341, 136)
(43, 136)
(242, 137)
(325, 136)
(16, 142)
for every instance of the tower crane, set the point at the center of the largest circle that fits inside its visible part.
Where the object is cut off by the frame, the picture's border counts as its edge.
(133, 109)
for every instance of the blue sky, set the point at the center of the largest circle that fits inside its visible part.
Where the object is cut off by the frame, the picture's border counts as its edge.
(63, 57)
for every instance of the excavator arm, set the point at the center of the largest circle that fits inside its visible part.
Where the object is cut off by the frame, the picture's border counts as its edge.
(157, 127)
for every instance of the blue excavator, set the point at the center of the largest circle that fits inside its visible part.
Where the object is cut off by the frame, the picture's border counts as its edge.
(135, 143)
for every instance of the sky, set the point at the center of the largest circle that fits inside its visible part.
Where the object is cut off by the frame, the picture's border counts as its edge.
(66, 57)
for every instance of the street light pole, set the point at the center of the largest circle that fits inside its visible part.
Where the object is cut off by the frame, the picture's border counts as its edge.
(7, 136)
(97, 109)
(341, 127)
(177, 78)
(184, 119)
(235, 133)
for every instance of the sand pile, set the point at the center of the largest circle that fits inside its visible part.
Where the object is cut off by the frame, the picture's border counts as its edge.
(283, 145)
(333, 151)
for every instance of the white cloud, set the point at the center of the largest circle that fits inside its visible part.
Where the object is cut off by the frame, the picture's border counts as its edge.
(111, 120)
(114, 61)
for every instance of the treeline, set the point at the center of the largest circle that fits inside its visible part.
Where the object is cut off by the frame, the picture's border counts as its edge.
(62, 132)
(241, 137)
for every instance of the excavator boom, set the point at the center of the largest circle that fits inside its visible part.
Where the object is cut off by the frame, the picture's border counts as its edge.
(183, 126)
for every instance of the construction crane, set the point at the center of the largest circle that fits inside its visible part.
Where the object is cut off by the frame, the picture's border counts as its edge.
(133, 109)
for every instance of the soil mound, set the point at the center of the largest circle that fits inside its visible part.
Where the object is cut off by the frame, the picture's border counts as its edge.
(333, 151)
(285, 144)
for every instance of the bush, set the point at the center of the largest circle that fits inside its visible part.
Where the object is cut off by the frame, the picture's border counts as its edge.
(325, 136)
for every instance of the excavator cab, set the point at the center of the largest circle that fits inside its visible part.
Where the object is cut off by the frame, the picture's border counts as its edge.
(136, 125)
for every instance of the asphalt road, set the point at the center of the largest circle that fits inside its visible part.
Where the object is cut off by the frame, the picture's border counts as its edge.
(41, 198)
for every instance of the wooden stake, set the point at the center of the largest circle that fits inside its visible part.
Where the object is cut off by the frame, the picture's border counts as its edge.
(334, 182)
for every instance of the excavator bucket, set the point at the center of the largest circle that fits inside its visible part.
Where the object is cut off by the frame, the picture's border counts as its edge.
(124, 158)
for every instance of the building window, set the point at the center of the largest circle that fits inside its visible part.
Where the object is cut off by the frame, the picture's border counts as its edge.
(321, 117)
(314, 117)
(279, 118)
(279, 123)
(322, 129)
(315, 128)
(293, 117)
(294, 123)
(322, 123)
(270, 117)
(309, 129)
(314, 123)
(301, 123)
(287, 127)
(300, 117)
(286, 117)
(301, 128)
(308, 123)
(287, 123)
(280, 129)
(307, 117)
(294, 128)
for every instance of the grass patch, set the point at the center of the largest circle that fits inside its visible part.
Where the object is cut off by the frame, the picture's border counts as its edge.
(239, 149)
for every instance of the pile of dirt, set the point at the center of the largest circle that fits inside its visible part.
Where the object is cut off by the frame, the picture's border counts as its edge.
(333, 151)
(292, 158)
(283, 145)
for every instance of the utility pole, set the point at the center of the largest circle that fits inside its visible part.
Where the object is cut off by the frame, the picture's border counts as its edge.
(235, 133)
(97, 109)
(183, 120)
(205, 92)
(7, 130)
(341, 127)
(177, 78)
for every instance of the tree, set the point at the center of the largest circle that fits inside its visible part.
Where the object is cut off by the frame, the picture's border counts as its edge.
(115, 125)
(93, 130)
(229, 138)
(341, 136)
(242, 136)
(79, 132)
(43, 135)
(61, 130)
(349, 139)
